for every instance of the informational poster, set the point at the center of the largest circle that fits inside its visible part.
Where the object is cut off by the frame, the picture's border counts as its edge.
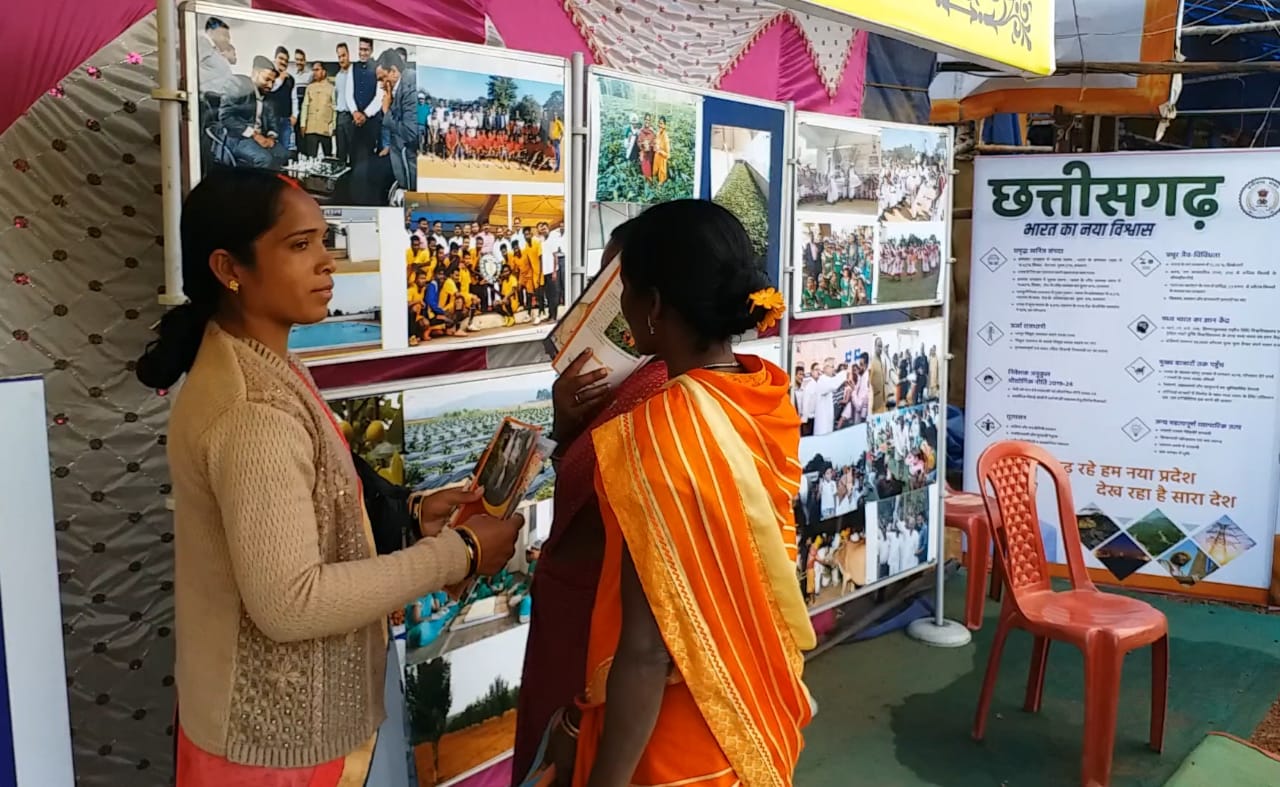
(871, 215)
(1123, 317)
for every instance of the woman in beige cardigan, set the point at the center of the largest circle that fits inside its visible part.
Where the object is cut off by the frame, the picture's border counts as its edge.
(281, 600)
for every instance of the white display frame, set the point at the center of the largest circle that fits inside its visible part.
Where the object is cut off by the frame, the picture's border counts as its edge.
(35, 664)
(569, 164)
(862, 125)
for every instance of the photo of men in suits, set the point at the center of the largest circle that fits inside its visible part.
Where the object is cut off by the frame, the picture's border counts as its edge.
(401, 117)
(250, 120)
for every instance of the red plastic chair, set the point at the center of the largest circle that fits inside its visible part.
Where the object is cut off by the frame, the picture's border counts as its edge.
(967, 513)
(1105, 626)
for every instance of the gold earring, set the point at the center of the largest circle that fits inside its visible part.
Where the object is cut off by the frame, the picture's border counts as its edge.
(233, 285)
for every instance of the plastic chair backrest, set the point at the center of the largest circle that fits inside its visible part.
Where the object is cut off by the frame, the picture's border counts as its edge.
(1007, 475)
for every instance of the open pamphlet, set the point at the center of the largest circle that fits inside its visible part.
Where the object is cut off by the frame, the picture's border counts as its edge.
(513, 458)
(595, 323)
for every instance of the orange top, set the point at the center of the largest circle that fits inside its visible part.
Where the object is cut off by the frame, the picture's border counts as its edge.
(698, 483)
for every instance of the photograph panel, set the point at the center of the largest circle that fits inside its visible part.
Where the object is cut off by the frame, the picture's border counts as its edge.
(835, 270)
(838, 170)
(645, 142)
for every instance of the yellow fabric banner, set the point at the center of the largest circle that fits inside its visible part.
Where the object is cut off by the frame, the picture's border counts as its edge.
(1014, 33)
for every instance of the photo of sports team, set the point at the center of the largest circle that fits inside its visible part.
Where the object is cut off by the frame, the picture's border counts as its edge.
(467, 278)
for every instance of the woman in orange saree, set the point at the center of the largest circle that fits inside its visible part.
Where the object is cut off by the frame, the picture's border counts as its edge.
(695, 656)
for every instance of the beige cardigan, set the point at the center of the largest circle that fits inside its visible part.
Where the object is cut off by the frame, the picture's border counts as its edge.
(281, 605)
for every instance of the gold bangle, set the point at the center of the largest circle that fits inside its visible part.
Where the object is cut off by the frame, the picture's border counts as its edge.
(473, 547)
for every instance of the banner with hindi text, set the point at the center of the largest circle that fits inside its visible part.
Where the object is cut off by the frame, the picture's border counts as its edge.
(1122, 316)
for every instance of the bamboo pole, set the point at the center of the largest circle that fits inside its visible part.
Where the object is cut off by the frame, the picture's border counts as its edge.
(1227, 30)
(1152, 67)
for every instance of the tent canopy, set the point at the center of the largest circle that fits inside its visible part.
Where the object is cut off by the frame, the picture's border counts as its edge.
(1087, 31)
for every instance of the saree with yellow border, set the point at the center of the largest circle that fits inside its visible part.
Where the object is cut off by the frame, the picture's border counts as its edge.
(698, 483)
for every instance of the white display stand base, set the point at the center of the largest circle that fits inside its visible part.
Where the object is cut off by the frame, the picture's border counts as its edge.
(948, 635)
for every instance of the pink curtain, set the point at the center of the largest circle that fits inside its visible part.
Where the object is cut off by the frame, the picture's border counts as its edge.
(456, 20)
(43, 42)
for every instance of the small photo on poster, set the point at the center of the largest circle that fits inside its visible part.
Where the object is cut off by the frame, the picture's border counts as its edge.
(491, 125)
(354, 323)
(909, 268)
(741, 160)
(902, 453)
(832, 384)
(836, 266)
(830, 516)
(838, 169)
(374, 428)
(905, 531)
(267, 97)
(906, 364)
(503, 467)
(914, 176)
(482, 268)
(646, 143)
(461, 710)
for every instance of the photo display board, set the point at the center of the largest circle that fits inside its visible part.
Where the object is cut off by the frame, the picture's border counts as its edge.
(872, 215)
(871, 420)
(1122, 317)
(651, 141)
(455, 157)
(463, 659)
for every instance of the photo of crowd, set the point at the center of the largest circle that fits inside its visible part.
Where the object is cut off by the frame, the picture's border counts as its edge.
(646, 145)
(905, 532)
(838, 169)
(910, 263)
(903, 450)
(832, 387)
(830, 516)
(478, 125)
(337, 112)
(913, 179)
(836, 264)
(486, 274)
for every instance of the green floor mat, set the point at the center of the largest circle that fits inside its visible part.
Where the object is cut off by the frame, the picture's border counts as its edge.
(1221, 760)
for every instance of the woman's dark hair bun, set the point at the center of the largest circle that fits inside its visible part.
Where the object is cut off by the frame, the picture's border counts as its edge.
(228, 210)
(173, 351)
(700, 259)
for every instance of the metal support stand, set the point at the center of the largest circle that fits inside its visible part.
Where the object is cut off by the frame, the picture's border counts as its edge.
(171, 99)
(938, 631)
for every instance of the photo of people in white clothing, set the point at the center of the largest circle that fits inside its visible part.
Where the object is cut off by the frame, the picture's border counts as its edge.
(903, 452)
(913, 181)
(905, 532)
(838, 170)
(832, 387)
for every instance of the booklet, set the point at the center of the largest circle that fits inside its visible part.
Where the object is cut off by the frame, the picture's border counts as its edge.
(595, 323)
(507, 467)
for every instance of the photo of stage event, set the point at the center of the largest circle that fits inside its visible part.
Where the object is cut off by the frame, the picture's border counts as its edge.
(910, 262)
(838, 170)
(905, 531)
(832, 383)
(906, 367)
(836, 266)
(478, 124)
(310, 104)
(913, 178)
(902, 452)
(482, 266)
(830, 515)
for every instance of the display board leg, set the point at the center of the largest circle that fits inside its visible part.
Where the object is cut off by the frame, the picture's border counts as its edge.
(937, 630)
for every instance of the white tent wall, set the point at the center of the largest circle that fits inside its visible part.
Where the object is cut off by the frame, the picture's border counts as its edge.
(80, 268)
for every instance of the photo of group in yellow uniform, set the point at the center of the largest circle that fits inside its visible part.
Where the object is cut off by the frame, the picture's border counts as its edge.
(483, 271)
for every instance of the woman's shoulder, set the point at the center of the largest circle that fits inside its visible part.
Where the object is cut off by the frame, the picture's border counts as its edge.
(231, 379)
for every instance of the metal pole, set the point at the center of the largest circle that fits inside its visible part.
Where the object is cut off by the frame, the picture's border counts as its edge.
(784, 235)
(578, 175)
(171, 99)
(939, 631)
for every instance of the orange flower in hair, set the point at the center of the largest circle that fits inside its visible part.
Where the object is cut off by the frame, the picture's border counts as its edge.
(772, 302)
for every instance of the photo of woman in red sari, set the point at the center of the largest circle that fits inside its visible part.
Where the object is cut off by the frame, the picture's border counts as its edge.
(693, 671)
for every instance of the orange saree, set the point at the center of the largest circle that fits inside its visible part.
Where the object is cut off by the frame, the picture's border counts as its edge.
(698, 484)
